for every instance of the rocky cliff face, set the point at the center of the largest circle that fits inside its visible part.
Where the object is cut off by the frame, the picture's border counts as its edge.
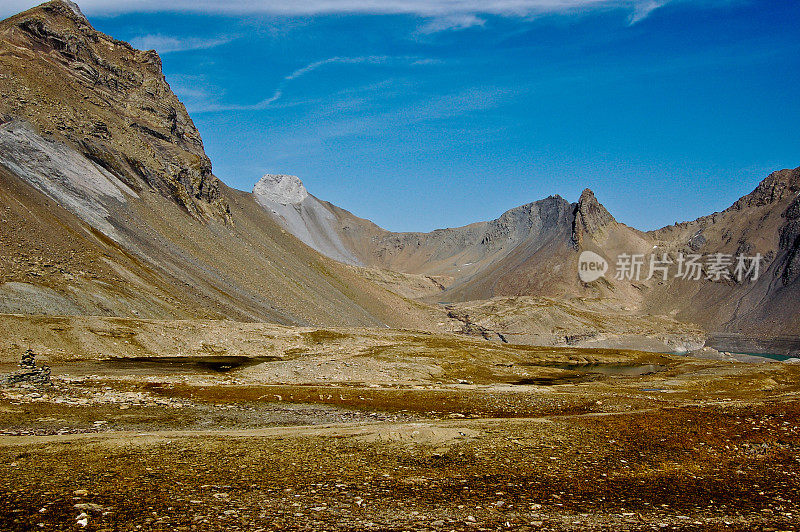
(482, 239)
(461, 251)
(790, 242)
(106, 100)
(280, 189)
(590, 217)
(773, 193)
(776, 187)
(763, 223)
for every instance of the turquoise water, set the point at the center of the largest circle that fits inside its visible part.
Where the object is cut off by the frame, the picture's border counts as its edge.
(771, 356)
(774, 348)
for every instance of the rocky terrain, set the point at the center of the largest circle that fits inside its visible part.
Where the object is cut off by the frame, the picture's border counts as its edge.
(109, 206)
(303, 215)
(533, 250)
(579, 322)
(764, 221)
(90, 91)
(211, 359)
(84, 232)
(587, 440)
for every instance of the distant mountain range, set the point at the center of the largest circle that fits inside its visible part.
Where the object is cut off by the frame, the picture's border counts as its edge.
(534, 250)
(110, 207)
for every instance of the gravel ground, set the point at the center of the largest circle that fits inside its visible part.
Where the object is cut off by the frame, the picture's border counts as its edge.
(696, 446)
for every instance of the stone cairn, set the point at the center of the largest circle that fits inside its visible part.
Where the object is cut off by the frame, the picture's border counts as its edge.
(29, 372)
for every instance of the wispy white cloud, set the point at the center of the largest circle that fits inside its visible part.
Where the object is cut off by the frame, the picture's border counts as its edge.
(643, 9)
(460, 21)
(165, 44)
(427, 61)
(280, 90)
(300, 72)
(433, 108)
(439, 11)
(446, 106)
(332, 125)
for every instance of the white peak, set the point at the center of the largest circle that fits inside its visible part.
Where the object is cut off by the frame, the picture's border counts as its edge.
(283, 189)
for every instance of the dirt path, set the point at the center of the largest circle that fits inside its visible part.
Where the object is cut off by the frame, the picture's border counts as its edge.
(418, 433)
(422, 433)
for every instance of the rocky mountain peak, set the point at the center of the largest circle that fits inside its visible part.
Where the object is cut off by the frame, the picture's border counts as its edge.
(108, 101)
(282, 189)
(55, 9)
(590, 217)
(73, 7)
(780, 185)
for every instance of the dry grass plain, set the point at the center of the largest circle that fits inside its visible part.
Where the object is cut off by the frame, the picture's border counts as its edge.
(400, 430)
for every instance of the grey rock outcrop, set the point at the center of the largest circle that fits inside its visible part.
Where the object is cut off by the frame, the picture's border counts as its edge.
(287, 200)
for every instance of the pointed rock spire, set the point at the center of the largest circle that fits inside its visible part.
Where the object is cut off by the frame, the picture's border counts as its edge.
(590, 217)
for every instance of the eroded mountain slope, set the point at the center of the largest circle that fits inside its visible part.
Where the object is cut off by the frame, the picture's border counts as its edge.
(106, 100)
(765, 222)
(110, 206)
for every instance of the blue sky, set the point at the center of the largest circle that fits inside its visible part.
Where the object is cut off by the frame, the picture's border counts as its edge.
(419, 114)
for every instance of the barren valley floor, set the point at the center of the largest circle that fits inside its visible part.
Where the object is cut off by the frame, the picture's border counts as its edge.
(330, 437)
